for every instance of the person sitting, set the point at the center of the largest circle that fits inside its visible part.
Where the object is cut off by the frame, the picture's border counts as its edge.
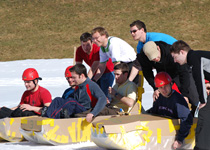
(33, 99)
(172, 104)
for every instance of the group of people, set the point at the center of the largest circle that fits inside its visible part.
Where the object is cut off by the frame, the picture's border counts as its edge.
(180, 81)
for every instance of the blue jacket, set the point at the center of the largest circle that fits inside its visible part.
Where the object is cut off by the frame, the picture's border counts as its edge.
(90, 95)
(67, 93)
(154, 36)
(176, 107)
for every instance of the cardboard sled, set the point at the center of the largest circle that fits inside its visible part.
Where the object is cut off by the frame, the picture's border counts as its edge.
(9, 130)
(67, 131)
(62, 131)
(140, 132)
(57, 131)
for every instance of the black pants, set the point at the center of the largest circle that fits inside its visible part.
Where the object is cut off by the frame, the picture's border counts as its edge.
(6, 112)
(136, 79)
(202, 137)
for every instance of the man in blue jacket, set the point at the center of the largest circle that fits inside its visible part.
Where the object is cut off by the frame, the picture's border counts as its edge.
(139, 32)
(172, 104)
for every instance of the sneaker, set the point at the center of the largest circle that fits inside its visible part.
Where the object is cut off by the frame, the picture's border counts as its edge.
(64, 113)
(43, 111)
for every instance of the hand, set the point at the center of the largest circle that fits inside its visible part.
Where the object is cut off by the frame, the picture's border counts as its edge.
(176, 144)
(155, 95)
(107, 101)
(111, 91)
(25, 107)
(201, 105)
(89, 117)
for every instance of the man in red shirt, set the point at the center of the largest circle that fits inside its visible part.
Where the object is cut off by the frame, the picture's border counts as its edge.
(33, 99)
(89, 52)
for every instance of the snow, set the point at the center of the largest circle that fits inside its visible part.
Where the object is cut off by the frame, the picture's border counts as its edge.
(52, 73)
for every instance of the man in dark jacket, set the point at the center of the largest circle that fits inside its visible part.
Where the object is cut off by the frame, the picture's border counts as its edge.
(87, 92)
(172, 104)
(156, 55)
(87, 95)
(200, 65)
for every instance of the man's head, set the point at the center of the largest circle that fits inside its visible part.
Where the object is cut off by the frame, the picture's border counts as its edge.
(100, 36)
(163, 82)
(69, 76)
(86, 42)
(30, 77)
(152, 51)
(79, 74)
(179, 51)
(138, 30)
(121, 73)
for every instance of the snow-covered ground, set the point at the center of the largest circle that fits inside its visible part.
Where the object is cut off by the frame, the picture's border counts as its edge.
(52, 73)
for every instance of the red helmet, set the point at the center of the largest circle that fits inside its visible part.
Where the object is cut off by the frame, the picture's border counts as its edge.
(162, 78)
(67, 72)
(30, 74)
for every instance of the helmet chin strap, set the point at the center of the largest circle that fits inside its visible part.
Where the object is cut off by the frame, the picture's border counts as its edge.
(35, 83)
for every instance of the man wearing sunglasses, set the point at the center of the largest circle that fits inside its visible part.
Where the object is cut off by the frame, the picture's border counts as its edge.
(139, 32)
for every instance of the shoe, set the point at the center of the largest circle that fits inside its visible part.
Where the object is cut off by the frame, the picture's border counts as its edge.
(64, 113)
(43, 111)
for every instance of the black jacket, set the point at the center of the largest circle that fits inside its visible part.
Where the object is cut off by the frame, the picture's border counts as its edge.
(200, 64)
(166, 64)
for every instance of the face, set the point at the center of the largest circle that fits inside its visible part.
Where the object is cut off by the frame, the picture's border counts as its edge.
(87, 46)
(136, 33)
(120, 77)
(98, 39)
(77, 79)
(179, 57)
(70, 81)
(157, 59)
(165, 90)
(30, 85)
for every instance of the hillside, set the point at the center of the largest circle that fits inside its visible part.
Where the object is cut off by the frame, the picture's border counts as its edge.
(32, 29)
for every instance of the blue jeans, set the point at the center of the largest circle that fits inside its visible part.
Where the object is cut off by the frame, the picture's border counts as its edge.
(105, 82)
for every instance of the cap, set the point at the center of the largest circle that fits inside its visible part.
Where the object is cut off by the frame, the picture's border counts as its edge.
(150, 50)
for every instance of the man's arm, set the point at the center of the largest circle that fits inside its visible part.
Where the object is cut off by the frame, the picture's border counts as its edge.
(135, 70)
(93, 69)
(125, 100)
(100, 71)
(185, 117)
(28, 107)
(101, 101)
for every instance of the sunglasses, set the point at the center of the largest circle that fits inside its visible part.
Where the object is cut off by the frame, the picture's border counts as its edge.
(133, 31)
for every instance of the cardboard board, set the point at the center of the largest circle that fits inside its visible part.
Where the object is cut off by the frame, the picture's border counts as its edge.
(58, 131)
(139, 131)
(9, 129)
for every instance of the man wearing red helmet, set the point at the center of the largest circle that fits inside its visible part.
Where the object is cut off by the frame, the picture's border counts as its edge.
(72, 85)
(172, 104)
(33, 99)
(62, 107)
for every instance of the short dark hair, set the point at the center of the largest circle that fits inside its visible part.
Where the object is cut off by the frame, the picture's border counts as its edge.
(178, 46)
(139, 24)
(86, 37)
(123, 67)
(79, 69)
(100, 30)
